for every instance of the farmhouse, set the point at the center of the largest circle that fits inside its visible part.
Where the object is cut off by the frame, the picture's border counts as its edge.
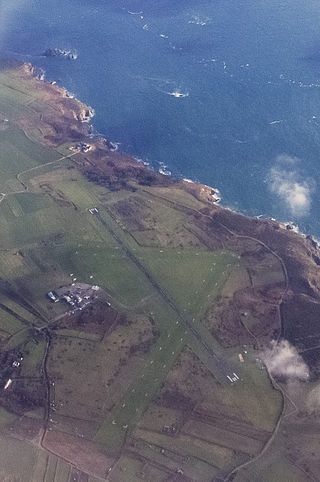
(82, 147)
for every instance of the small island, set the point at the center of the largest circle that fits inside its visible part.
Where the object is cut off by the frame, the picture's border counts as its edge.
(55, 52)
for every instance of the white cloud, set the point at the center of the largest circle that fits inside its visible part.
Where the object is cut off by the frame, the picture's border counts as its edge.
(283, 360)
(286, 182)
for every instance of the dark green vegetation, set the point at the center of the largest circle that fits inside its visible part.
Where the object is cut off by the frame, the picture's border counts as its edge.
(137, 390)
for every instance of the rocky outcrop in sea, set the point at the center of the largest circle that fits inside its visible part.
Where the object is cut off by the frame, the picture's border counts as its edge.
(68, 54)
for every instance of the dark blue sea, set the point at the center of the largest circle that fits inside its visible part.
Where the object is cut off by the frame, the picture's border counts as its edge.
(226, 92)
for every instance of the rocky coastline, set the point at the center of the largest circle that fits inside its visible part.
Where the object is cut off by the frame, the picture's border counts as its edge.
(117, 170)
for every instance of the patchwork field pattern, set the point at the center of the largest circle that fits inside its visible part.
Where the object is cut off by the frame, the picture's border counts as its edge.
(138, 382)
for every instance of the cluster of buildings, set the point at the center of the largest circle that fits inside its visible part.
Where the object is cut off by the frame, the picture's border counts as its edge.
(81, 147)
(77, 295)
(75, 299)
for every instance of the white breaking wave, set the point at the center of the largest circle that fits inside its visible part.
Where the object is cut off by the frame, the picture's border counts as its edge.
(169, 87)
(138, 159)
(178, 94)
(164, 169)
(165, 172)
(197, 20)
(114, 145)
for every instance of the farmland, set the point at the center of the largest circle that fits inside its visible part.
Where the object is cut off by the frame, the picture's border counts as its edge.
(134, 383)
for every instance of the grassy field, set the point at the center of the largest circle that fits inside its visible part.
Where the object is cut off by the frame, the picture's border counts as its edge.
(110, 393)
(21, 461)
(202, 432)
(193, 278)
(13, 450)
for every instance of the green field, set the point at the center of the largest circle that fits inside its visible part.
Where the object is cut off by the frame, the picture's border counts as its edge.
(101, 384)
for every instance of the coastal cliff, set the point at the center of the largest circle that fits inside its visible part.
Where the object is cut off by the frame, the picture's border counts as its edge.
(69, 121)
(135, 306)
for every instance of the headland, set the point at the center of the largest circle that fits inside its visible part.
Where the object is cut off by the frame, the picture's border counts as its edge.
(136, 312)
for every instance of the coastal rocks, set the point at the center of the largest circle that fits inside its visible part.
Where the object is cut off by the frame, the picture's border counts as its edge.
(35, 72)
(79, 111)
(202, 192)
(68, 121)
(68, 54)
(86, 114)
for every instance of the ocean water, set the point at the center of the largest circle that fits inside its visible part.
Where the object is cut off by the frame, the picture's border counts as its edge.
(226, 92)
